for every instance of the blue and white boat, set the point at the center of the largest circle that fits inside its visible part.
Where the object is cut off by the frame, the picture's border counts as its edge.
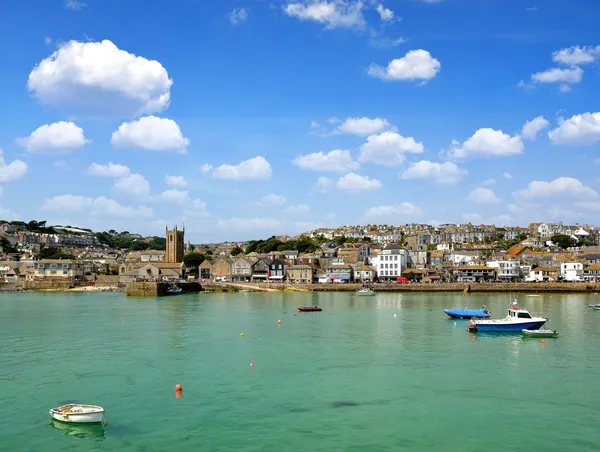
(517, 320)
(462, 313)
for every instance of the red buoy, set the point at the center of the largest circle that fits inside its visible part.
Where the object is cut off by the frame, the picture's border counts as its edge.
(178, 387)
(251, 364)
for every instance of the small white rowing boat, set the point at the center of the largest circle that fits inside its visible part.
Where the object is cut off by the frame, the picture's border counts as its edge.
(78, 414)
(540, 333)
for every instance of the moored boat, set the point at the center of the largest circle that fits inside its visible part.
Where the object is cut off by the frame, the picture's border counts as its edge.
(517, 320)
(78, 414)
(595, 306)
(540, 333)
(365, 292)
(309, 308)
(173, 290)
(461, 313)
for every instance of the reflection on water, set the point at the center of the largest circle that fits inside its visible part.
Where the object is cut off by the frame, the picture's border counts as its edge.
(79, 430)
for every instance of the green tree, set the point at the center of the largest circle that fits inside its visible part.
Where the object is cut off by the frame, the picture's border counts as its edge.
(237, 250)
(50, 252)
(6, 246)
(192, 261)
(563, 241)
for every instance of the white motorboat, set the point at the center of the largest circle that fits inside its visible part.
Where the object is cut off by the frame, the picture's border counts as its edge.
(516, 321)
(365, 292)
(540, 333)
(78, 414)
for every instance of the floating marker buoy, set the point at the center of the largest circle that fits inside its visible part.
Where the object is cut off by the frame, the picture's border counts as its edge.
(454, 323)
(241, 334)
(543, 341)
(178, 387)
(178, 394)
(251, 364)
(279, 322)
(123, 318)
(394, 315)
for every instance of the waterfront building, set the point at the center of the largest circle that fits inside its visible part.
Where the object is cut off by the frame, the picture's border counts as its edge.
(300, 274)
(390, 262)
(571, 271)
(507, 270)
(59, 268)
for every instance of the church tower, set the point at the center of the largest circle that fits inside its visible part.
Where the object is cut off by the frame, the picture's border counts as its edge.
(175, 245)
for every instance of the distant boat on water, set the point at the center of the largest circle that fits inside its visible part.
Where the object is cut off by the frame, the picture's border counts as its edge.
(365, 292)
(309, 308)
(462, 313)
(174, 290)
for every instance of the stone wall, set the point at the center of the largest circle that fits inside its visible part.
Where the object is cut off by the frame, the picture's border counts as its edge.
(448, 287)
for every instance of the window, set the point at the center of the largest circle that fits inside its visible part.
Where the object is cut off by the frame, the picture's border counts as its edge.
(523, 315)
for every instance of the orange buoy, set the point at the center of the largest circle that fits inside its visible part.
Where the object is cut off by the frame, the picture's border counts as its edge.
(543, 341)
(251, 364)
(178, 387)
(279, 322)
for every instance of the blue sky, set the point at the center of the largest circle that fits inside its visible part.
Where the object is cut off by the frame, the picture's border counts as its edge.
(250, 118)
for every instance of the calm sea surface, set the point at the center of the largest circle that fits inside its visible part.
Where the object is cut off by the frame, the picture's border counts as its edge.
(380, 373)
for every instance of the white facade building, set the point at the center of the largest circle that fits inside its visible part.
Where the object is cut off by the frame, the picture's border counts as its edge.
(507, 269)
(390, 263)
(571, 271)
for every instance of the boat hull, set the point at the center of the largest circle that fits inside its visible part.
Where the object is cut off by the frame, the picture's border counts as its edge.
(309, 309)
(365, 294)
(466, 313)
(78, 418)
(509, 327)
(540, 333)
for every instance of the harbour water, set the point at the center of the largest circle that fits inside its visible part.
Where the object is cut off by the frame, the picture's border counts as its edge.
(380, 373)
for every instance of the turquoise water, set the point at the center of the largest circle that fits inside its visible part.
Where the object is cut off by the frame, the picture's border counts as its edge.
(380, 373)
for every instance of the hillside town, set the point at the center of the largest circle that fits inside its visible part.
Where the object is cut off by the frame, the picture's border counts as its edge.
(33, 252)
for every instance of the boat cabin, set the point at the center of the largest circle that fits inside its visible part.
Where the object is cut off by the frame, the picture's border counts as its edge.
(515, 312)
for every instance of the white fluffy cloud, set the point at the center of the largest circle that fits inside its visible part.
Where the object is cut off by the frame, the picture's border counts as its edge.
(564, 198)
(395, 214)
(99, 207)
(415, 65)
(486, 143)
(363, 126)
(110, 170)
(151, 134)
(197, 209)
(355, 183)
(577, 55)
(489, 182)
(578, 129)
(447, 173)
(56, 138)
(385, 14)
(561, 188)
(336, 161)
(176, 181)
(531, 128)
(558, 75)
(75, 5)
(483, 196)
(238, 15)
(175, 196)
(12, 171)
(98, 78)
(507, 176)
(134, 186)
(323, 185)
(256, 168)
(272, 200)
(331, 13)
(389, 149)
